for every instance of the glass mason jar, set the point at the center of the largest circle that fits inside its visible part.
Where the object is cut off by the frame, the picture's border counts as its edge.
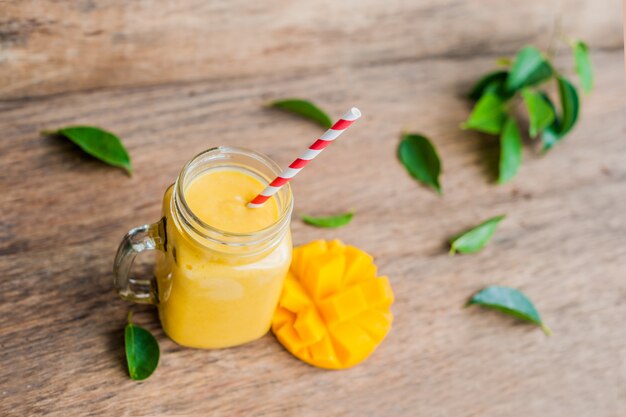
(213, 288)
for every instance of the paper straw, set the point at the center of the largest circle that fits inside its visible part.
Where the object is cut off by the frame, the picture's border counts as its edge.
(315, 149)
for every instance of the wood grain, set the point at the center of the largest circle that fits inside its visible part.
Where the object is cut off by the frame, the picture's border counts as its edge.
(49, 46)
(562, 242)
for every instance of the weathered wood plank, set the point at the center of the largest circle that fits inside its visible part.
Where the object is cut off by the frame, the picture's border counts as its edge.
(53, 47)
(176, 77)
(562, 243)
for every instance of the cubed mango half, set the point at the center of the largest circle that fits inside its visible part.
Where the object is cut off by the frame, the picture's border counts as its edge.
(333, 310)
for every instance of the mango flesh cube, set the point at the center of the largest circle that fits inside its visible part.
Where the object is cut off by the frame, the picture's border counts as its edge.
(343, 306)
(293, 296)
(359, 266)
(324, 275)
(336, 246)
(305, 255)
(333, 311)
(375, 323)
(309, 326)
(352, 342)
(304, 354)
(377, 292)
(288, 336)
(324, 353)
(282, 316)
(314, 247)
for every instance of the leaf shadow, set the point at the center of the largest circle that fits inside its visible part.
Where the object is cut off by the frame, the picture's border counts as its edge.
(116, 348)
(445, 245)
(488, 154)
(64, 146)
(68, 153)
(462, 91)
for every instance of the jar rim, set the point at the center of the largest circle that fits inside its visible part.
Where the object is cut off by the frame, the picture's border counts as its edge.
(216, 234)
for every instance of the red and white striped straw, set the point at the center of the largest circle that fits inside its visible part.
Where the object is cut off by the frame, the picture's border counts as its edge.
(315, 149)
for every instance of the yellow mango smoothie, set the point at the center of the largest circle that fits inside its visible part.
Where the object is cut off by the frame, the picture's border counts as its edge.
(222, 266)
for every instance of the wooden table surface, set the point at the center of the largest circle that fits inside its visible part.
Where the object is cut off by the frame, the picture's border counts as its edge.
(173, 78)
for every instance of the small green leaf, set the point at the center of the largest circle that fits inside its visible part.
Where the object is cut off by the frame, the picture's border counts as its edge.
(569, 105)
(509, 301)
(510, 151)
(550, 135)
(98, 143)
(492, 82)
(540, 112)
(529, 68)
(488, 115)
(142, 351)
(329, 221)
(583, 66)
(305, 109)
(419, 157)
(476, 238)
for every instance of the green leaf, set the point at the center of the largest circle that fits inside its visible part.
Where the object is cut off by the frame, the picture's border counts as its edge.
(305, 109)
(583, 65)
(142, 351)
(419, 157)
(329, 221)
(509, 301)
(492, 82)
(569, 105)
(550, 135)
(540, 112)
(529, 68)
(488, 115)
(98, 143)
(476, 238)
(510, 151)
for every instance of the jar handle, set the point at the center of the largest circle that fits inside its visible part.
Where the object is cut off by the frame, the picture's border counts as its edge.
(142, 238)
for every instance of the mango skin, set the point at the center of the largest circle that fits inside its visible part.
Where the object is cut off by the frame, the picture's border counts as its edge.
(333, 310)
